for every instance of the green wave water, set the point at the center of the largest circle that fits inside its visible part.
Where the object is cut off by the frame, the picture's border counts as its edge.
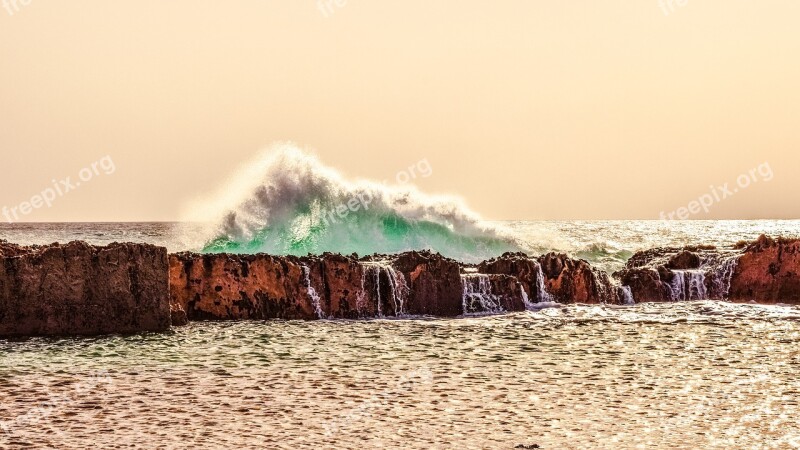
(286, 202)
(362, 233)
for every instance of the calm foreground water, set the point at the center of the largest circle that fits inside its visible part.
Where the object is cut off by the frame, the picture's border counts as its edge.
(680, 375)
(689, 375)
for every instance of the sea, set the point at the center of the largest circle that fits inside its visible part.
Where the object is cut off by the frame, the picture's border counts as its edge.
(699, 374)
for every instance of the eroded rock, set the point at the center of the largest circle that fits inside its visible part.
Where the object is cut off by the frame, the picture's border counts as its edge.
(768, 271)
(555, 277)
(80, 289)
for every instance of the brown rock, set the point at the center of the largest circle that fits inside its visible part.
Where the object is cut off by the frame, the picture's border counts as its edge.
(178, 315)
(768, 271)
(571, 280)
(240, 287)
(258, 287)
(684, 260)
(527, 270)
(79, 289)
(646, 284)
(693, 272)
(344, 289)
(492, 294)
(434, 284)
(565, 280)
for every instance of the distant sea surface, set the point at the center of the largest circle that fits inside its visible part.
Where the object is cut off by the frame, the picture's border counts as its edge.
(607, 244)
(676, 375)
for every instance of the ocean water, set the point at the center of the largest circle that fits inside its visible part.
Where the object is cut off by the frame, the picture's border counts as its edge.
(606, 244)
(677, 375)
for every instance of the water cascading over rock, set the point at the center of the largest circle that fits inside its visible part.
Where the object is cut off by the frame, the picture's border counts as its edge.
(478, 297)
(258, 287)
(389, 289)
(688, 285)
(555, 278)
(680, 274)
(492, 294)
(316, 301)
(82, 289)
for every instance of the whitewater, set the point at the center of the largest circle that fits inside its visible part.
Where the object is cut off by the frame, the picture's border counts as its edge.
(287, 202)
(684, 374)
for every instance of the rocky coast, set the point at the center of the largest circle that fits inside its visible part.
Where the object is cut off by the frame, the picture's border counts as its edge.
(79, 289)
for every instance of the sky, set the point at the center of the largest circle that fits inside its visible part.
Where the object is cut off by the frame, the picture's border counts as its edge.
(526, 109)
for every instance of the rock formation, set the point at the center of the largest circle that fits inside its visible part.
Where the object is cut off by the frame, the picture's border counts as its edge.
(768, 271)
(555, 277)
(676, 274)
(571, 280)
(434, 283)
(79, 289)
(765, 271)
(492, 294)
(241, 287)
(524, 268)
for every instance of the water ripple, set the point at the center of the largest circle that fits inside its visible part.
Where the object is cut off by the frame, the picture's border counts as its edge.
(689, 375)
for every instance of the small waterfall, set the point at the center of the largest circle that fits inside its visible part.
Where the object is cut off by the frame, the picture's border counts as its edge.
(526, 300)
(542, 296)
(312, 293)
(478, 297)
(376, 273)
(717, 270)
(626, 295)
(397, 287)
(723, 274)
(689, 285)
(361, 297)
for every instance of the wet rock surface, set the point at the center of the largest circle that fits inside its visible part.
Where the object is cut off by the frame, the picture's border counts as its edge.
(519, 265)
(571, 280)
(555, 277)
(329, 286)
(434, 283)
(492, 294)
(676, 274)
(768, 271)
(81, 289)
(240, 287)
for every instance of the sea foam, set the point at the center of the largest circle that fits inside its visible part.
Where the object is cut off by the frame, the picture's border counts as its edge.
(286, 202)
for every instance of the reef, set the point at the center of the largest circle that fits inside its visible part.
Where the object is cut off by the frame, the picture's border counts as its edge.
(79, 289)
(764, 271)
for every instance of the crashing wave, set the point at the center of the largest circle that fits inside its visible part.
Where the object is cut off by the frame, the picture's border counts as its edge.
(288, 203)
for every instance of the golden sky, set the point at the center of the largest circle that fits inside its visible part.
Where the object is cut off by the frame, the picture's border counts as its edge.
(527, 109)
